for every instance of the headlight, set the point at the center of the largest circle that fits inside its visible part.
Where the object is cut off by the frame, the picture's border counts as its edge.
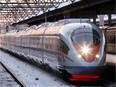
(97, 56)
(79, 56)
(86, 50)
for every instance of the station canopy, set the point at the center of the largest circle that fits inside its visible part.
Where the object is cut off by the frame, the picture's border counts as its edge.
(13, 11)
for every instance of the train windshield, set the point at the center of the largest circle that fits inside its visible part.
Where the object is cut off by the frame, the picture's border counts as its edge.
(86, 43)
(91, 38)
(86, 39)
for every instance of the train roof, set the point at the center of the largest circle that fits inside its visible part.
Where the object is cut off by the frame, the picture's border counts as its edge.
(51, 24)
(67, 21)
(63, 22)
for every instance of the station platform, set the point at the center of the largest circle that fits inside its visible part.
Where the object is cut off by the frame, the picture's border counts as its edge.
(111, 59)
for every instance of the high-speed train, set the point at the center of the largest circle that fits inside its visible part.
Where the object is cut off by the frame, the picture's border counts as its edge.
(74, 49)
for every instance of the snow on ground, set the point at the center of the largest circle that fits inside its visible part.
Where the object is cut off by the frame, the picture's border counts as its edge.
(30, 75)
(6, 80)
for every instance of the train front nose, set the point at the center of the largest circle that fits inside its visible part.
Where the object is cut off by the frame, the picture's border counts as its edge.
(87, 45)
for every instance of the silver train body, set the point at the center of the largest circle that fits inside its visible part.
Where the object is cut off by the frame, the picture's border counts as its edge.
(72, 48)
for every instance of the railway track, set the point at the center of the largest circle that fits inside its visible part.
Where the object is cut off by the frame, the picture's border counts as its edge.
(8, 79)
